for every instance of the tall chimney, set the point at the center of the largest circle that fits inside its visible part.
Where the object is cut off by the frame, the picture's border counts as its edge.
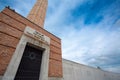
(38, 12)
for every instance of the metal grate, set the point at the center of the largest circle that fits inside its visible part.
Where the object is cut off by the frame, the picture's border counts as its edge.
(29, 68)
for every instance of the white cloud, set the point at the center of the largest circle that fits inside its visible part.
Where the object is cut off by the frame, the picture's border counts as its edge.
(115, 69)
(57, 12)
(93, 47)
(93, 44)
(23, 7)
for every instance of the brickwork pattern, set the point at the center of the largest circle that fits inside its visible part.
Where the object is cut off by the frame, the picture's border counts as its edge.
(12, 26)
(38, 12)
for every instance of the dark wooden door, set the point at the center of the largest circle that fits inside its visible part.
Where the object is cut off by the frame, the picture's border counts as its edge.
(29, 68)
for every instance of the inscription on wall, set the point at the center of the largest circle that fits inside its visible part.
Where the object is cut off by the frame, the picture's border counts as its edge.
(37, 35)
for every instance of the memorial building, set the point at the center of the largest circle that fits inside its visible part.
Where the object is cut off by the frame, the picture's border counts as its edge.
(29, 52)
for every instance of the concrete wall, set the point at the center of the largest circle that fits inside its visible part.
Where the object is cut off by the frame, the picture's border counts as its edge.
(0, 77)
(75, 71)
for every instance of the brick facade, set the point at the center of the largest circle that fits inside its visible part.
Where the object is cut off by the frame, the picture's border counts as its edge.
(38, 12)
(12, 26)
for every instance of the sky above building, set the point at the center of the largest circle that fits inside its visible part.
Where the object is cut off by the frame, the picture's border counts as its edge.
(89, 29)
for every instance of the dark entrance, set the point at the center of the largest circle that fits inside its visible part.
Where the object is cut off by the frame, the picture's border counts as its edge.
(29, 68)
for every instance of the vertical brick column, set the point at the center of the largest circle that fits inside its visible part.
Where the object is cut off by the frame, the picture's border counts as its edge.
(38, 12)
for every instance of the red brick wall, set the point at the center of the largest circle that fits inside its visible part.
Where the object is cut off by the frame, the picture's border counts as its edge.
(12, 26)
(38, 12)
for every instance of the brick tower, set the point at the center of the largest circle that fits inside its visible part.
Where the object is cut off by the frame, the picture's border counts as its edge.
(27, 48)
(38, 12)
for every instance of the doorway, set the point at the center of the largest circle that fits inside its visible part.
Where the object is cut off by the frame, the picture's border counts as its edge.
(30, 65)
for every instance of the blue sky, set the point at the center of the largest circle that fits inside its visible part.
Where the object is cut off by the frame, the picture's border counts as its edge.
(89, 29)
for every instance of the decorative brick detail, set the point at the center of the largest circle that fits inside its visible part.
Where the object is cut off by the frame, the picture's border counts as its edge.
(54, 43)
(55, 56)
(10, 30)
(12, 22)
(8, 40)
(55, 49)
(55, 69)
(5, 56)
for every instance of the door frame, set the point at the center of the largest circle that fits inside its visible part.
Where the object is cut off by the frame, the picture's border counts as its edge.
(17, 56)
(27, 48)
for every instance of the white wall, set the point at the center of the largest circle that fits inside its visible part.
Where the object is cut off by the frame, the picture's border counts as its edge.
(76, 71)
(0, 77)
